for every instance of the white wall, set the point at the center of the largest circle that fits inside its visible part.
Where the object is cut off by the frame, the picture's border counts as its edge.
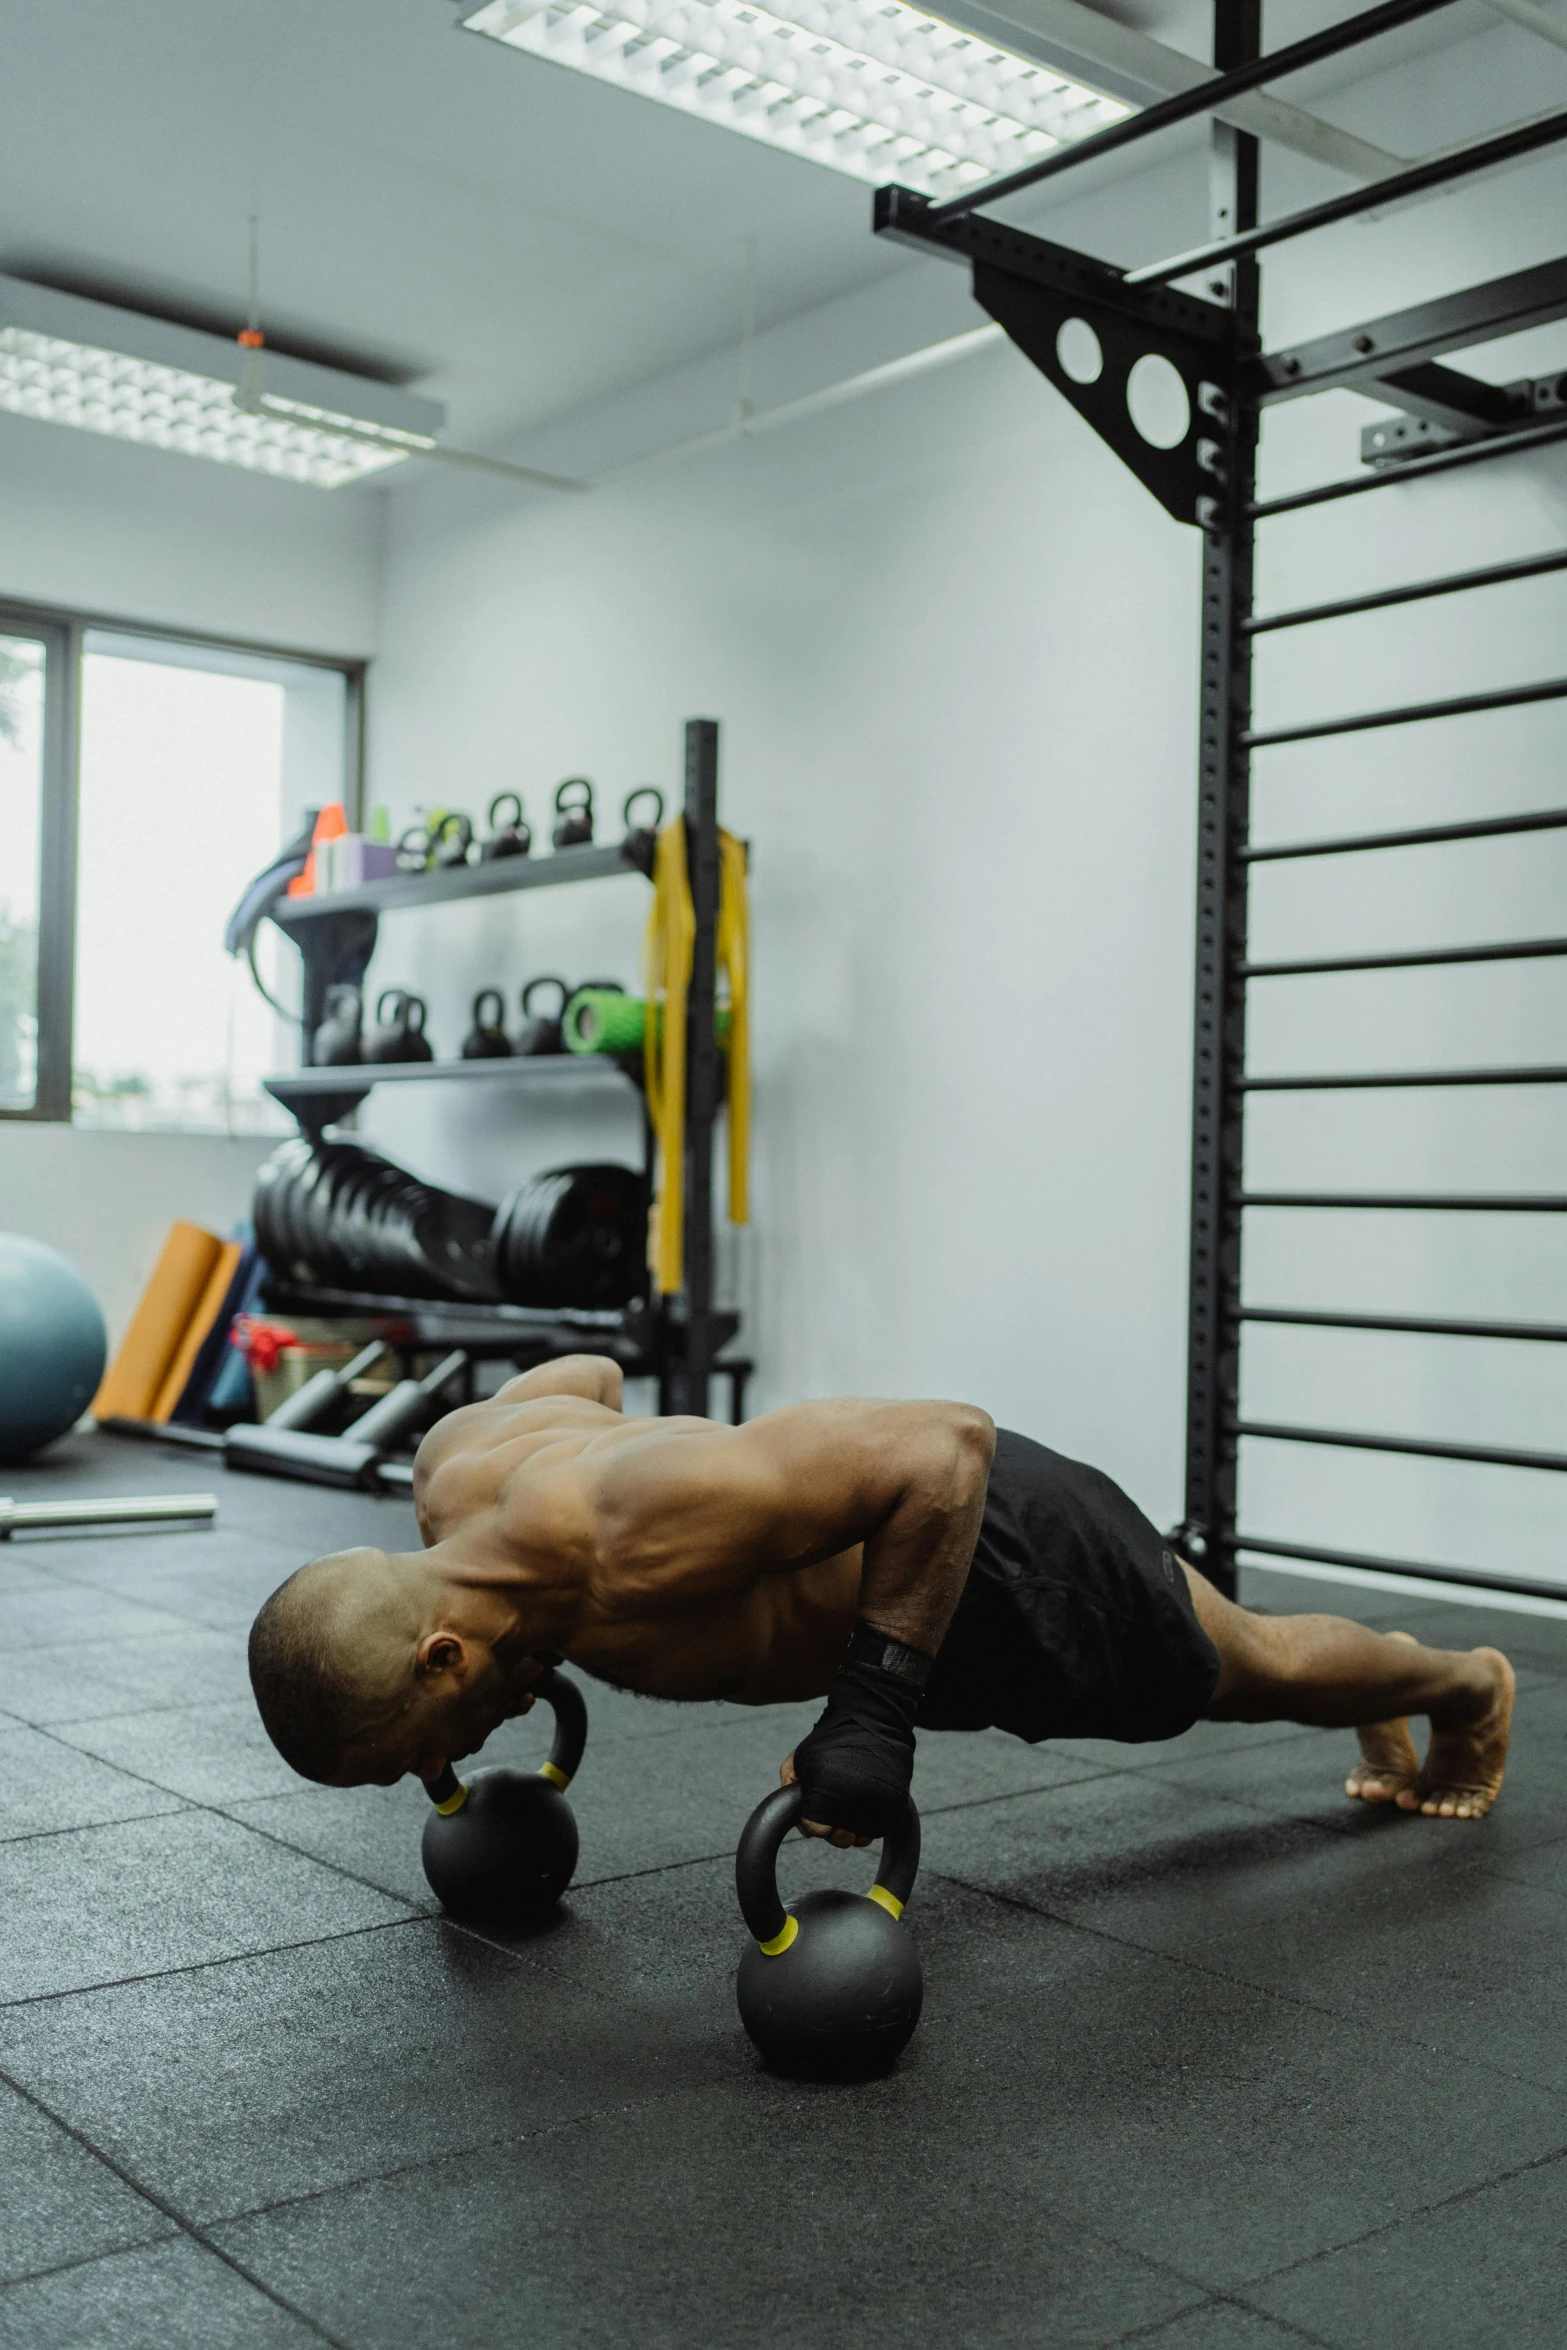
(134, 534)
(107, 1200)
(952, 646)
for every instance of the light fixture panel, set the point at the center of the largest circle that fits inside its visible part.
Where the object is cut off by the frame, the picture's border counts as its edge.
(65, 360)
(873, 88)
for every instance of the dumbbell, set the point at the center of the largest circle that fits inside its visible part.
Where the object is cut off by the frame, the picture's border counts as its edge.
(831, 1987)
(500, 1850)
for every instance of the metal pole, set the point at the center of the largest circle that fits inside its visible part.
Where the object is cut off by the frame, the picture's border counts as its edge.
(1245, 74)
(1219, 1045)
(1525, 138)
(701, 1056)
(142, 1509)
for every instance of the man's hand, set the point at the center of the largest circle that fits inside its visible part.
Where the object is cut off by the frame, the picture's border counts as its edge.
(839, 1836)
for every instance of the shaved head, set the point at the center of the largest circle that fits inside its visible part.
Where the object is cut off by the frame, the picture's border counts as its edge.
(332, 1654)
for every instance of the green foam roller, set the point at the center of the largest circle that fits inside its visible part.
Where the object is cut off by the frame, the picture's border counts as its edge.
(602, 1020)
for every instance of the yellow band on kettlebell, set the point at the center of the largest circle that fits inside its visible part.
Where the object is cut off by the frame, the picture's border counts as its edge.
(889, 1901)
(556, 1776)
(453, 1803)
(780, 1942)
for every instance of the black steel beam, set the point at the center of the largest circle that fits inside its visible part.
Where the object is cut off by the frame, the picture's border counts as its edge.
(909, 219)
(1476, 1578)
(1223, 819)
(1417, 836)
(1482, 1203)
(1507, 697)
(1518, 950)
(685, 1385)
(1201, 100)
(1492, 1456)
(1396, 1080)
(1358, 356)
(1415, 1325)
(1447, 397)
(1451, 583)
(1500, 444)
(1523, 138)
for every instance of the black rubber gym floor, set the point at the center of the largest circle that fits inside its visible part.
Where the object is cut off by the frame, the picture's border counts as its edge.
(1211, 2060)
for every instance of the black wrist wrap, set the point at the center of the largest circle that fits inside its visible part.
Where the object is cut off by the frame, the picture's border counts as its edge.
(854, 1768)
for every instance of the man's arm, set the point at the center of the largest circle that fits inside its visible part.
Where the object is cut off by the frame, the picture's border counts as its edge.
(907, 1481)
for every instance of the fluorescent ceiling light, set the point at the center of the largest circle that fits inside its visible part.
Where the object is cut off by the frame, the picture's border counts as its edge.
(874, 88)
(64, 360)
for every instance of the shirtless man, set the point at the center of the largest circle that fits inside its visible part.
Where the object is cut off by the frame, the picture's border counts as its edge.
(903, 1560)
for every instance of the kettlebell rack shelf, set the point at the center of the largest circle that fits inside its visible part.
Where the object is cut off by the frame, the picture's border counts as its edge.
(675, 1339)
(322, 1095)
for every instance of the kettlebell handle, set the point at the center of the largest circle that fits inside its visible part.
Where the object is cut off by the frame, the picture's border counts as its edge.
(581, 802)
(566, 1702)
(499, 801)
(489, 995)
(544, 979)
(756, 1862)
(644, 791)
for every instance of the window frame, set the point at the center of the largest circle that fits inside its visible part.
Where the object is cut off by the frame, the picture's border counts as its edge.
(63, 632)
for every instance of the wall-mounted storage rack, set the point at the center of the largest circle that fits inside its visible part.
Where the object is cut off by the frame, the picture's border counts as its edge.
(675, 1340)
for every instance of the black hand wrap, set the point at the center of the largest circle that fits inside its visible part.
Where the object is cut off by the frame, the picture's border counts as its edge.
(854, 1768)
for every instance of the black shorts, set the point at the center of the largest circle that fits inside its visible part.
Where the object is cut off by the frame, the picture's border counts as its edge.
(1076, 1620)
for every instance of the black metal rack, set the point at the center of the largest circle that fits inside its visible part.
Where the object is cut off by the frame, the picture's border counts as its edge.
(1033, 288)
(676, 1340)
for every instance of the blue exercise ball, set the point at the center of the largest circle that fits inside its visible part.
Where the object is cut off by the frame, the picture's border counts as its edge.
(53, 1346)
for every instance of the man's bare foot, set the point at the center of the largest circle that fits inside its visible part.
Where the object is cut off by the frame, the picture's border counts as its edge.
(1462, 1774)
(1388, 1765)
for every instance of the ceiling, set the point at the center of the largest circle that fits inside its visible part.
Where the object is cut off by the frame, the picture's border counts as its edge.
(513, 238)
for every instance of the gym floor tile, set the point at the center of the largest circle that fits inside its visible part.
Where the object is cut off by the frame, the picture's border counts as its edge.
(368, 1832)
(1220, 2325)
(174, 2296)
(43, 1685)
(1164, 1866)
(208, 1753)
(96, 1905)
(1222, 2131)
(60, 2202)
(1449, 1953)
(1483, 2272)
(1303, 1595)
(748, 2211)
(55, 1614)
(222, 1594)
(350, 2058)
(45, 1786)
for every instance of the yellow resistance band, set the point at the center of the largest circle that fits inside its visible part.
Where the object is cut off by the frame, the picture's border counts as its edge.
(667, 952)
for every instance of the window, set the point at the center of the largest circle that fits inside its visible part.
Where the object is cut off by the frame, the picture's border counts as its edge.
(195, 763)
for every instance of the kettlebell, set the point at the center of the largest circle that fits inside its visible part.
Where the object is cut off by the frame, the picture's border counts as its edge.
(412, 853)
(640, 845)
(501, 1849)
(402, 1037)
(487, 1040)
(511, 839)
(452, 840)
(831, 1988)
(541, 1034)
(336, 1041)
(573, 816)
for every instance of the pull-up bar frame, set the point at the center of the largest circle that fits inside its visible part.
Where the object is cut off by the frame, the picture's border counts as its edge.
(1034, 288)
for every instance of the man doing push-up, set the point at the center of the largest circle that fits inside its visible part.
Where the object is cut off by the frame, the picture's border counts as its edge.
(909, 1562)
